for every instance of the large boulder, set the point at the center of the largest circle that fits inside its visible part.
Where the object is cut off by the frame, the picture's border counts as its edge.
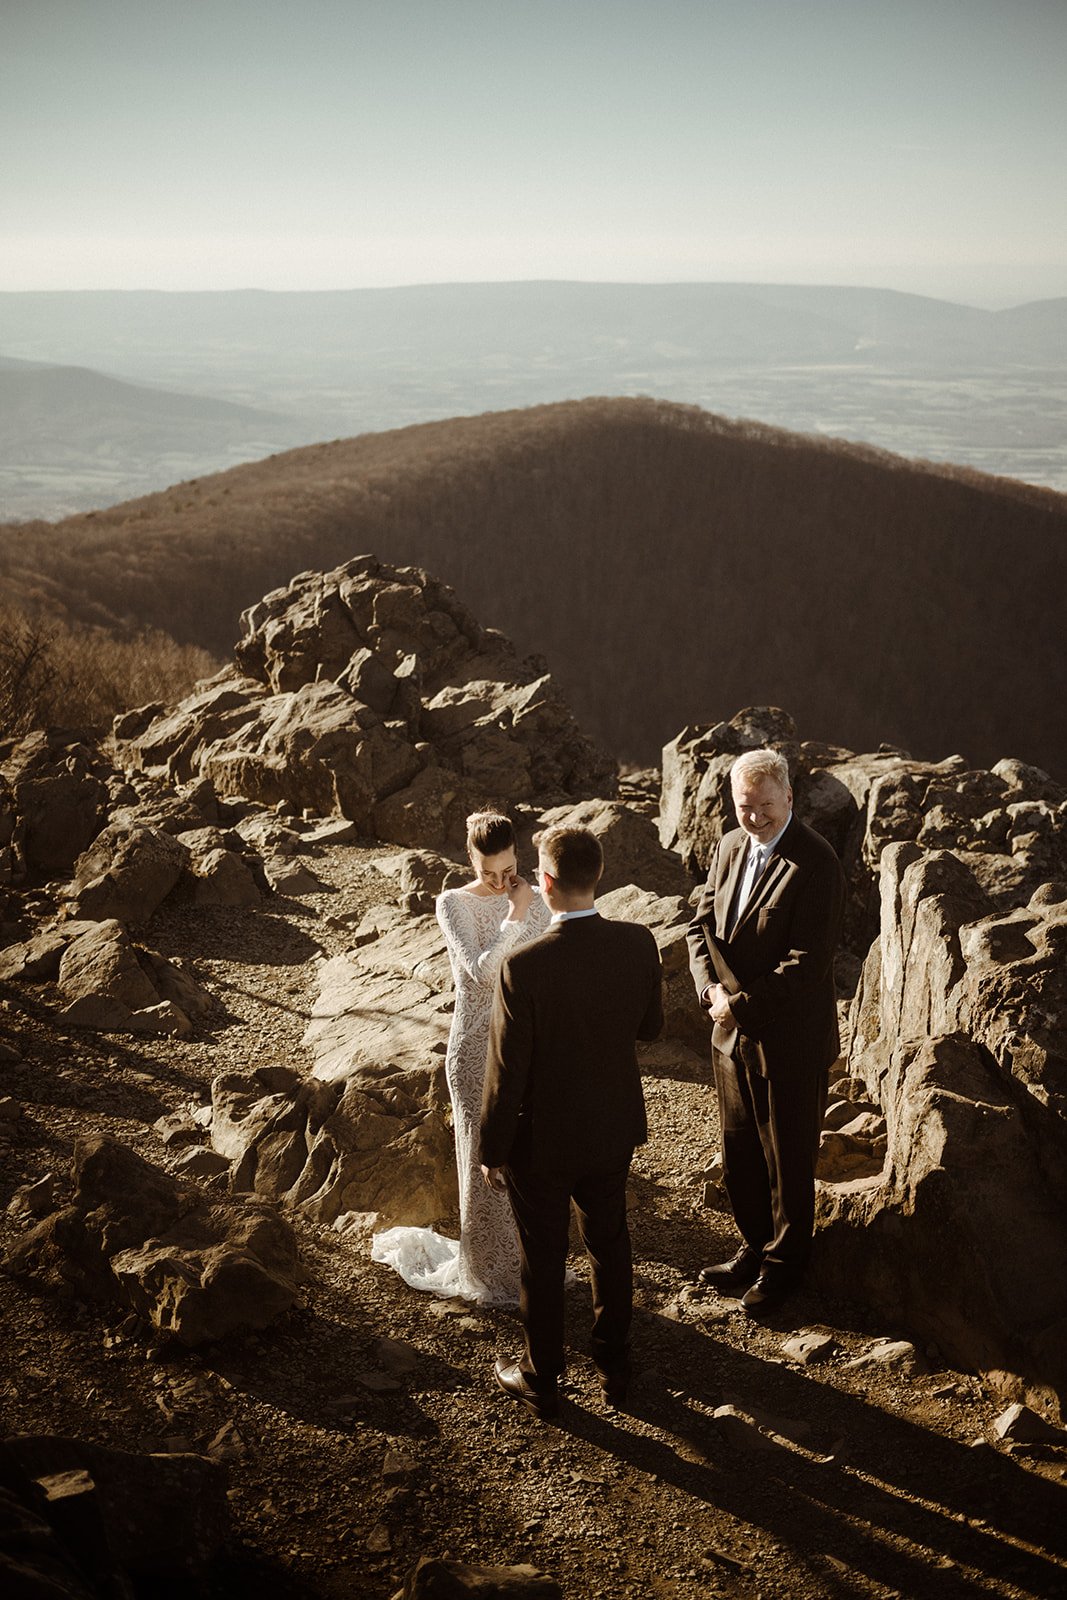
(369, 1131)
(633, 853)
(390, 1000)
(219, 870)
(114, 985)
(371, 693)
(960, 1237)
(133, 1237)
(126, 874)
(421, 875)
(374, 1141)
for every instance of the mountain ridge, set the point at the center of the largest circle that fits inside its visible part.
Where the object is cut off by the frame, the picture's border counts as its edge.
(619, 537)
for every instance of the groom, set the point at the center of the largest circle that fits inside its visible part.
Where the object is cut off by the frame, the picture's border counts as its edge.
(563, 1109)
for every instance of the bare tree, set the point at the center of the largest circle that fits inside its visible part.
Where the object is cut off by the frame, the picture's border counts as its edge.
(27, 670)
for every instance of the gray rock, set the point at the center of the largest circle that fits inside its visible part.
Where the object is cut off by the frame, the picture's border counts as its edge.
(810, 1346)
(177, 1129)
(58, 799)
(113, 985)
(217, 872)
(1021, 1425)
(668, 917)
(895, 1355)
(420, 876)
(35, 1199)
(201, 1163)
(740, 1430)
(383, 1004)
(633, 854)
(37, 959)
(126, 874)
(289, 877)
(375, 1140)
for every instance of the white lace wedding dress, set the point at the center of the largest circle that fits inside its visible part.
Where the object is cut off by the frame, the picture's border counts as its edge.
(483, 1264)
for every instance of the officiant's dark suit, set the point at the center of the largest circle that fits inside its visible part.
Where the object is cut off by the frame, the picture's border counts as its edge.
(773, 957)
(562, 1112)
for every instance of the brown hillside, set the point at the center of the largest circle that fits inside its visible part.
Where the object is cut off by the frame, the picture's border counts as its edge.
(670, 564)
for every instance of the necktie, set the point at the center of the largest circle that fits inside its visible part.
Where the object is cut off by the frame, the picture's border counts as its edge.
(754, 866)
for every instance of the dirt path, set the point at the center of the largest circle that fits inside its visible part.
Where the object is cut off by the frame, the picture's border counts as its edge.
(364, 1429)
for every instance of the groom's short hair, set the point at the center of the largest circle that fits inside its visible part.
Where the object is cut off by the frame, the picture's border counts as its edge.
(574, 858)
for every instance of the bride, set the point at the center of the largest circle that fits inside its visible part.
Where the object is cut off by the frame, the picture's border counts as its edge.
(482, 921)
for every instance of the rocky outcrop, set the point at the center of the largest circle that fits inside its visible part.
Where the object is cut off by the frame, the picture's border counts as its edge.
(944, 1166)
(133, 1237)
(1009, 821)
(960, 1235)
(131, 868)
(108, 981)
(668, 917)
(421, 875)
(371, 693)
(957, 1033)
(695, 807)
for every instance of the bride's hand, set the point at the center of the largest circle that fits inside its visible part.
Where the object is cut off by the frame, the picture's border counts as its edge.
(521, 895)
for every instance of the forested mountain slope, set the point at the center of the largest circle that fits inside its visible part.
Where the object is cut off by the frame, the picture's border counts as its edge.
(672, 566)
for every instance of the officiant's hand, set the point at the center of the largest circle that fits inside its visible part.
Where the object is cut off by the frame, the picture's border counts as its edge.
(494, 1179)
(720, 1007)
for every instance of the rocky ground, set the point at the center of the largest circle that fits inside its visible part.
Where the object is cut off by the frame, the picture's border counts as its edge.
(820, 1455)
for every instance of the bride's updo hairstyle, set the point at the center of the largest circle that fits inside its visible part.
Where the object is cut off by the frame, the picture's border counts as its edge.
(490, 833)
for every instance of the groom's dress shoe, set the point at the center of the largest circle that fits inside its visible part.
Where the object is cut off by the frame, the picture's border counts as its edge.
(730, 1276)
(770, 1290)
(615, 1384)
(541, 1402)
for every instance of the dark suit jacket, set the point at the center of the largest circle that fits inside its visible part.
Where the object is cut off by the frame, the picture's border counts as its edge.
(562, 1085)
(777, 964)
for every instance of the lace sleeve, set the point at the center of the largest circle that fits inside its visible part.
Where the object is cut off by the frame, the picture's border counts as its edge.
(461, 936)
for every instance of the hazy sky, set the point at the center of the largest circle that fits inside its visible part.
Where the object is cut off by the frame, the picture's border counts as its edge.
(301, 144)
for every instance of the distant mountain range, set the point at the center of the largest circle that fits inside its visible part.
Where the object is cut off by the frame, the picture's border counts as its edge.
(672, 566)
(925, 378)
(71, 436)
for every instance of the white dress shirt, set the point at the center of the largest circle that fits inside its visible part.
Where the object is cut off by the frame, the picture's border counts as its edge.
(755, 866)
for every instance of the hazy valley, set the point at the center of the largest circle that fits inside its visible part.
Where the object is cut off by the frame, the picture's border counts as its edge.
(928, 379)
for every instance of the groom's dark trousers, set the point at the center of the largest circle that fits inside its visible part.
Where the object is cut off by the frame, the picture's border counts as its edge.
(562, 1112)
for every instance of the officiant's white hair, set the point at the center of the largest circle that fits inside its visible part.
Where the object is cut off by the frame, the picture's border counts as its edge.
(757, 764)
